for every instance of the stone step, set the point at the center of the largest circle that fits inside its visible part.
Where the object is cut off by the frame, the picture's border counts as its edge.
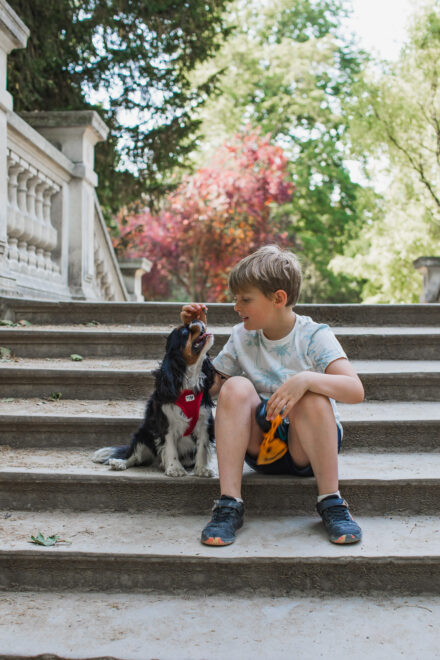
(140, 625)
(272, 556)
(400, 380)
(418, 343)
(371, 426)
(46, 480)
(147, 313)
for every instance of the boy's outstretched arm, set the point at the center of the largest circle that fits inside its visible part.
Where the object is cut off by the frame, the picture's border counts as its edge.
(339, 382)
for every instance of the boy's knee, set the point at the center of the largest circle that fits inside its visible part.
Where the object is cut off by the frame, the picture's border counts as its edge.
(237, 390)
(312, 406)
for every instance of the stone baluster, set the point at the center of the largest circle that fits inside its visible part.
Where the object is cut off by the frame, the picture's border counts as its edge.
(24, 223)
(51, 235)
(31, 222)
(14, 168)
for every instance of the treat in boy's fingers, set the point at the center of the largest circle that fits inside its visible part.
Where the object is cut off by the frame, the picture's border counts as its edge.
(193, 312)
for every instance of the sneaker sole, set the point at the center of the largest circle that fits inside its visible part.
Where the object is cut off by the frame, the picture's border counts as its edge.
(345, 539)
(216, 540)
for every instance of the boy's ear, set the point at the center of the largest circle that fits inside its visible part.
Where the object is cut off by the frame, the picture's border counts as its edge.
(280, 298)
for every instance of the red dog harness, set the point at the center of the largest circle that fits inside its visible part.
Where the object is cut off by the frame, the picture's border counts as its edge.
(189, 403)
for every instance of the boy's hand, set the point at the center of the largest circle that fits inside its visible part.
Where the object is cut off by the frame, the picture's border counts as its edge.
(193, 312)
(282, 401)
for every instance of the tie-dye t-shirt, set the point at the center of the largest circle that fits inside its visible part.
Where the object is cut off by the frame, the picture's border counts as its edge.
(269, 363)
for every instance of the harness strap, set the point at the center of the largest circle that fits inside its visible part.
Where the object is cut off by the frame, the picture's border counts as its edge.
(189, 403)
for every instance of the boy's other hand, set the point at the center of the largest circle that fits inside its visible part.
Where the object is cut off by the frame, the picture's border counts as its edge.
(282, 401)
(193, 312)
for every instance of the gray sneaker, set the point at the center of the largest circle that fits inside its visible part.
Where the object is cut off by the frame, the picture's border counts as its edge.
(338, 522)
(227, 517)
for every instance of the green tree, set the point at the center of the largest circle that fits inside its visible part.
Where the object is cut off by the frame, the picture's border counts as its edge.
(130, 60)
(396, 116)
(288, 69)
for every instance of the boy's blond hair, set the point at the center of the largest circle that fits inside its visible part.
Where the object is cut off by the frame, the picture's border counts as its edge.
(268, 269)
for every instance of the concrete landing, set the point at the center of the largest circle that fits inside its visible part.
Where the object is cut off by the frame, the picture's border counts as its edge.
(153, 553)
(140, 627)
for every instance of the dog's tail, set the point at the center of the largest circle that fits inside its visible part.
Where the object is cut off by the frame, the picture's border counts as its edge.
(106, 453)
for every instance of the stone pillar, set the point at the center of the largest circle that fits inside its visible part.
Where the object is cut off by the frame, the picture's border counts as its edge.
(132, 271)
(75, 134)
(13, 34)
(430, 269)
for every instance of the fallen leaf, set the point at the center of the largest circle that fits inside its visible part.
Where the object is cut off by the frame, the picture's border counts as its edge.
(5, 353)
(48, 541)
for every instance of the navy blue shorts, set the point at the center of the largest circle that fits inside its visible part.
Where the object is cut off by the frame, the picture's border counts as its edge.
(285, 464)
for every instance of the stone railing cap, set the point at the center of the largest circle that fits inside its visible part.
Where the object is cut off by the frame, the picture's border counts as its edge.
(12, 26)
(67, 119)
(135, 264)
(426, 261)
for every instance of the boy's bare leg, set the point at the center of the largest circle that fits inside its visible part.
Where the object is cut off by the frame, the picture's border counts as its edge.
(235, 431)
(313, 439)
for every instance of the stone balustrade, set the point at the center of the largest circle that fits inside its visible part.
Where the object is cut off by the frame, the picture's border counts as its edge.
(31, 237)
(53, 240)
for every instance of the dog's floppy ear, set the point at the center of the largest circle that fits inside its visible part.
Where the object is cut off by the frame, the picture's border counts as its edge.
(169, 376)
(209, 372)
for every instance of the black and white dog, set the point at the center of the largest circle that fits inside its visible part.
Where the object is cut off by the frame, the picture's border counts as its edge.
(178, 426)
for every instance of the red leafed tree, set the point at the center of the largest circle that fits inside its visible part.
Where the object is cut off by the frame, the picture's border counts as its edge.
(214, 218)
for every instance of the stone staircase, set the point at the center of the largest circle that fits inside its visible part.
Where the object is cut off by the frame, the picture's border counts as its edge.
(134, 581)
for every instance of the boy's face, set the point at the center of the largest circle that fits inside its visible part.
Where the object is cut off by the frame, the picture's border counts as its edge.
(256, 310)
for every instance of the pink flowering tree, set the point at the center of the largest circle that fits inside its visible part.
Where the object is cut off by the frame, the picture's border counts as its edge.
(214, 218)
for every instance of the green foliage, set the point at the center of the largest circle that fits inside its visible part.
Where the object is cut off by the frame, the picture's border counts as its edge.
(396, 116)
(288, 70)
(121, 57)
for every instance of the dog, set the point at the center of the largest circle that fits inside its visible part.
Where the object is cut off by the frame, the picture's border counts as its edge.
(178, 427)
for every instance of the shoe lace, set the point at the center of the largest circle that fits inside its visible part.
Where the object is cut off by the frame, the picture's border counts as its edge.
(338, 513)
(223, 513)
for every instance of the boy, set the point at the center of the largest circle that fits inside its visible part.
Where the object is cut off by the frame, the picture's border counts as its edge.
(278, 363)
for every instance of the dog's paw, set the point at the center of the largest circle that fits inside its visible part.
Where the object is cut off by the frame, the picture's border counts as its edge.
(176, 471)
(203, 472)
(117, 464)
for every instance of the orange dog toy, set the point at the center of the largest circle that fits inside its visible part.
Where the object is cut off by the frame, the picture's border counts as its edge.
(272, 448)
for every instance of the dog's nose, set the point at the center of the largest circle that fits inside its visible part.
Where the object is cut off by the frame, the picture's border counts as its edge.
(199, 324)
